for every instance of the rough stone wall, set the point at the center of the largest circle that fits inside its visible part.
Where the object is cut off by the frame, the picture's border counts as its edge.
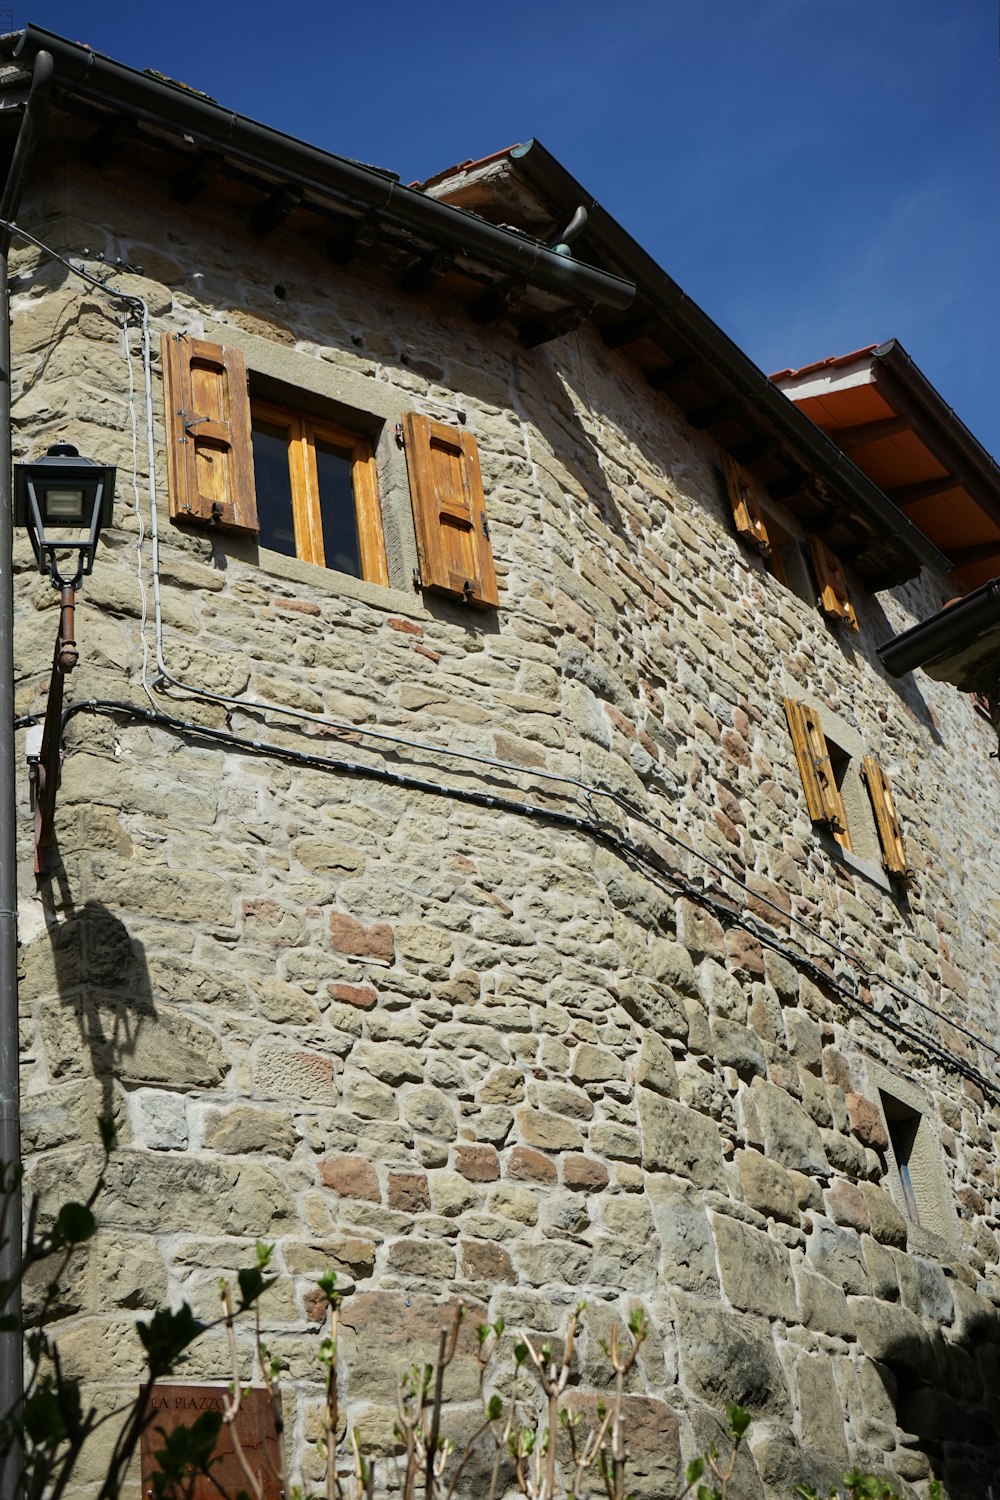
(462, 1051)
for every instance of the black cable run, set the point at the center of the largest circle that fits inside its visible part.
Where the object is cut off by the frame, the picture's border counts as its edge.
(654, 867)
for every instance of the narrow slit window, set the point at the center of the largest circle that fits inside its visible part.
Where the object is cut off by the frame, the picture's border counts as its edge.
(903, 1124)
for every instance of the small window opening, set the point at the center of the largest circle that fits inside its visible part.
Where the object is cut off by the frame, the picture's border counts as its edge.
(903, 1124)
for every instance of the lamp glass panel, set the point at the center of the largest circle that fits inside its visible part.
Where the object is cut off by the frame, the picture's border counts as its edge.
(63, 504)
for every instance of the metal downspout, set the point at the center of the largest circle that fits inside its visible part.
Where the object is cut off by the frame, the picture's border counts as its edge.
(11, 1356)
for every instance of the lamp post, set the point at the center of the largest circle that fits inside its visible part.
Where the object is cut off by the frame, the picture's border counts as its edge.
(63, 501)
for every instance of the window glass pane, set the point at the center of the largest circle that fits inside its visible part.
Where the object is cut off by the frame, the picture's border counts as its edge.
(274, 488)
(335, 471)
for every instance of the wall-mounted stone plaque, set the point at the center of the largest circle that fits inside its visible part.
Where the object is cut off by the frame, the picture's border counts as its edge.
(177, 1405)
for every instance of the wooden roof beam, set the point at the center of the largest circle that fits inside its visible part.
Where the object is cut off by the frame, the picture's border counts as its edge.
(421, 274)
(195, 176)
(848, 438)
(359, 235)
(109, 138)
(629, 331)
(925, 489)
(716, 413)
(535, 331)
(964, 557)
(664, 377)
(495, 303)
(275, 209)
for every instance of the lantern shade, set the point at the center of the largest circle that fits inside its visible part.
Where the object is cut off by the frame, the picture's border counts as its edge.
(60, 493)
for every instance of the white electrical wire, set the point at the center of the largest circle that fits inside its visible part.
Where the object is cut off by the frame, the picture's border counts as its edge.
(139, 522)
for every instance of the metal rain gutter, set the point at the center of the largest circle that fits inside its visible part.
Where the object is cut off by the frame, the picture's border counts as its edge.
(208, 124)
(952, 632)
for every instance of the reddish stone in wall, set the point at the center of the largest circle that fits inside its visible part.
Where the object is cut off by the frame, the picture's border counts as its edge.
(351, 1177)
(527, 1165)
(408, 1192)
(477, 1163)
(866, 1122)
(348, 935)
(361, 995)
(584, 1173)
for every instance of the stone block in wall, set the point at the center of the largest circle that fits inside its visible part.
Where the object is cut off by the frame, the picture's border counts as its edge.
(727, 1356)
(679, 1140)
(687, 1249)
(735, 1046)
(790, 1136)
(837, 1253)
(756, 1272)
(149, 1192)
(821, 1416)
(246, 1127)
(896, 1337)
(656, 1068)
(768, 1187)
(823, 1307)
(654, 1457)
(295, 1073)
(383, 1334)
(137, 1042)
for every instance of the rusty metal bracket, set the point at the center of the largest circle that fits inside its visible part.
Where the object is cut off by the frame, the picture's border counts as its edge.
(45, 769)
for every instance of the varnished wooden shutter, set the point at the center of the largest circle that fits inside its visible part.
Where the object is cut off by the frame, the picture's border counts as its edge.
(834, 599)
(823, 799)
(449, 510)
(209, 443)
(886, 818)
(746, 513)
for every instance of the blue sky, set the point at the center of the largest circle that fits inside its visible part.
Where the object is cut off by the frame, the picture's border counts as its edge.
(817, 174)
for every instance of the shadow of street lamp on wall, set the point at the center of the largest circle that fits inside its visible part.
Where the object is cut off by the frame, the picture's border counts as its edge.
(63, 501)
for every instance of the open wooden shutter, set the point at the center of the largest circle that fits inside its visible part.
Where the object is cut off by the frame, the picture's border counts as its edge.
(834, 600)
(823, 799)
(746, 513)
(209, 443)
(886, 818)
(449, 510)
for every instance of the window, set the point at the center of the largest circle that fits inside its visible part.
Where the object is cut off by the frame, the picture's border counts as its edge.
(915, 1173)
(815, 574)
(903, 1125)
(835, 780)
(304, 484)
(316, 492)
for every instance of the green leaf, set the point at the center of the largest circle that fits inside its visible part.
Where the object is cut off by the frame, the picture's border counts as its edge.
(74, 1224)
(739, 1420)
(327, 1284)
(494, 1409)
(694, 1470)
(520, 1353)
(252, 1283)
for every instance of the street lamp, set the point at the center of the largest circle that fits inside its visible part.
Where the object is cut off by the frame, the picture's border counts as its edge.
(63, 501)
(63, 492)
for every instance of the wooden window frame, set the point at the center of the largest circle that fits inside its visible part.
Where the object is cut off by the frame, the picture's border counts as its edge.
(304, 432)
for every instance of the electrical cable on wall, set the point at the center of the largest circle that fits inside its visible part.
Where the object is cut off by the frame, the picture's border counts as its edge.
(138, 308)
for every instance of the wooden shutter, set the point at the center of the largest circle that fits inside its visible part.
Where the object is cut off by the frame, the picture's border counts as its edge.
(834, 599)
(446, 488)
(823, 799)
(746, 513)
(209, 443)
(886, 818)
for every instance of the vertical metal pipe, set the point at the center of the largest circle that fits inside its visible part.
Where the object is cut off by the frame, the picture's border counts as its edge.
(11, 1355)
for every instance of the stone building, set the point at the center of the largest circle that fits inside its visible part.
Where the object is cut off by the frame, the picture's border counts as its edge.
(490, 857)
